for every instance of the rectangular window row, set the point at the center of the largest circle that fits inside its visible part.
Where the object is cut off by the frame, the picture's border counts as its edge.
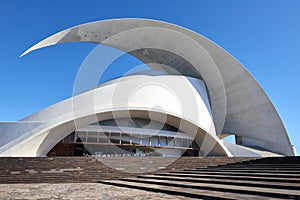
(124, 138)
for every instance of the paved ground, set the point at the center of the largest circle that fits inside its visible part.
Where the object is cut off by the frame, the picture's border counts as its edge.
(77, 191)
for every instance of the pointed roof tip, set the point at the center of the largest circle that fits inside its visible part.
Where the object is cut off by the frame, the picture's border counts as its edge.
(24, 53)
(34, 47)
(52, 40)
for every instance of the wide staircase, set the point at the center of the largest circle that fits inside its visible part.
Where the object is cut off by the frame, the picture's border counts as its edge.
(266, 178)
(94, 169)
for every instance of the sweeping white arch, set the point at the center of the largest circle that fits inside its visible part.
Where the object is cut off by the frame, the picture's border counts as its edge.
(57, 121)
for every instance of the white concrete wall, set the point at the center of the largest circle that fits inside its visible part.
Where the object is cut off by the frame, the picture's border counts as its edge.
(175, 95)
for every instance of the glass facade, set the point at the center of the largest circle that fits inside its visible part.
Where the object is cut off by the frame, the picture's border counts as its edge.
(102, 143)
(126, 138)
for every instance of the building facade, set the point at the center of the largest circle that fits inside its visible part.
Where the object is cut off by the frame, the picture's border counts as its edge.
(194, 95)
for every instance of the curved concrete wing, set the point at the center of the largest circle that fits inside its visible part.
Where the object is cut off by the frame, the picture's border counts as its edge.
(239, 104)
(154, 42)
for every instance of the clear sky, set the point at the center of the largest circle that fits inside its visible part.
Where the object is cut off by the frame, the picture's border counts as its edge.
(264, 35)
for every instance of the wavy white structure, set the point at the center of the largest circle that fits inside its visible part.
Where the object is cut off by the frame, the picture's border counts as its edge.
(57, 121)
(234, 103)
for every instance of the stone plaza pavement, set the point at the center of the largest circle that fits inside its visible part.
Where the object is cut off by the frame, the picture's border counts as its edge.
(77, 191)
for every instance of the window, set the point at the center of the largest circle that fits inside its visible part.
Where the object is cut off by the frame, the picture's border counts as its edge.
(126, 138)
(82, 136)
(135, 139)
(72, 137)
(103, 137)
(115, 138)
(145, 140)
(177, 142)
(154, 141)
(163, 141)
(185, 143)
(170, 141)
(92, 137)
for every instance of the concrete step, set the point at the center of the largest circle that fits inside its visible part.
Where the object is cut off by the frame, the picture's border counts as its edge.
(262, 174)
(265, 184)
(186, 192)
(271, 171)
(251, 168)
(275, 160)
(254, 166)
(262, 164)
(233, 177)
(268, 192)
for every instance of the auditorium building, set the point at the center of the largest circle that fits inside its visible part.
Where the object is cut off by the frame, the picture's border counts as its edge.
(193, 95)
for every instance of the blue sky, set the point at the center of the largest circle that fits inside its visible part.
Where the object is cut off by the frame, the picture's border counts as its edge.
(262, 34)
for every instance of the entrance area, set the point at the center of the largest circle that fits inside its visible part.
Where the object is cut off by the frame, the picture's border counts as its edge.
(109, 144)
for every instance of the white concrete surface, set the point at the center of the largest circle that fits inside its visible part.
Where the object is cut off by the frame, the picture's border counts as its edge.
(180, 105)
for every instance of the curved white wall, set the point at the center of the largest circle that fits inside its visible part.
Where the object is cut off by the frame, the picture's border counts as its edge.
(166, 95)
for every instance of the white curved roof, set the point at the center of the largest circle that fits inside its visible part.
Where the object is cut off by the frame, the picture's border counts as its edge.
(116, 100)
